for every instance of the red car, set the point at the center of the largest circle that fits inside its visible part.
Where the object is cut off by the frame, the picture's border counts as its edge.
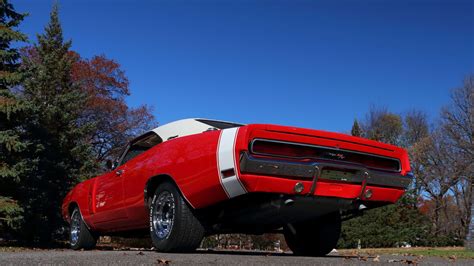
(197, 177)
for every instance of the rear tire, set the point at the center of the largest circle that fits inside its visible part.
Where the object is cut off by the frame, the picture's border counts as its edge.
(80, 237)
(173, 225)
(315, 238)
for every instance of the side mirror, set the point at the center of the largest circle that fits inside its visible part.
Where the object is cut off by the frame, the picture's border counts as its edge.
(111, 165)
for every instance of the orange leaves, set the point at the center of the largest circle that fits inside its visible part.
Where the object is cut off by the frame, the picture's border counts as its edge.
(105, 84)
(100, 77)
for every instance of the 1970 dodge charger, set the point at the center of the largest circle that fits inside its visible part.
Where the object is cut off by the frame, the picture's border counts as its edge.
(197, 177)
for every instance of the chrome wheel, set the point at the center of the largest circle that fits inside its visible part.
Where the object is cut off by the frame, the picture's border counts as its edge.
(163, 214)
(75, 227)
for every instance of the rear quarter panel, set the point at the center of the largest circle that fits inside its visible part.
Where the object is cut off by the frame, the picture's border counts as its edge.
(190, 161)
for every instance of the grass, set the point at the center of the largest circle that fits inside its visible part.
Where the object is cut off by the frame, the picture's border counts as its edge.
(460, 254)
(445, 252)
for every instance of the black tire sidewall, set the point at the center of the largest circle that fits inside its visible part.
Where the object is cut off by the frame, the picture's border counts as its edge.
(86, 240)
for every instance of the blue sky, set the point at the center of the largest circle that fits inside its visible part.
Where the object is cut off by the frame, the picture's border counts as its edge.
(315, 64)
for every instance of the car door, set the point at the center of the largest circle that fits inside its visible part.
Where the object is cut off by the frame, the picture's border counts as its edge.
(108, 206)
(113, 186)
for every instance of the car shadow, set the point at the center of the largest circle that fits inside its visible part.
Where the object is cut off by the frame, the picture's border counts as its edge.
(228, 252)
(266, 253)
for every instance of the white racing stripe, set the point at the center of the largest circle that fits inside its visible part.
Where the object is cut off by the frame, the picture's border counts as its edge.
(226, 161)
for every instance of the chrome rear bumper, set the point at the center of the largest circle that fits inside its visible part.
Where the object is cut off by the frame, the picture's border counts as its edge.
(315, 170)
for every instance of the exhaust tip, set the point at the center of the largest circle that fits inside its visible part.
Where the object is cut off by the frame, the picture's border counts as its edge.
(289, 202)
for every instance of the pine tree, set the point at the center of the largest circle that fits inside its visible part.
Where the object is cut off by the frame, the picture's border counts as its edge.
(12, 113)
(356, 129)
(61, 154)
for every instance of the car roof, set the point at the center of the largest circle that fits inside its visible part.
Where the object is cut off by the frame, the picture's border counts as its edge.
(184, 127)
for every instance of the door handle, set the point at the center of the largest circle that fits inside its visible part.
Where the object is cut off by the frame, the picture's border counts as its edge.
(119, 172)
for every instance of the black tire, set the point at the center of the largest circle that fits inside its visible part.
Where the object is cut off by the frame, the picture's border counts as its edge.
(315, 238)
(185, 233)
(82, 238)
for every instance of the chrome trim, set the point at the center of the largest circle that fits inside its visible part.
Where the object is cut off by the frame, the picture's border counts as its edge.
(316, 175)
(163, 215)
(322, 147)
(75, 229)
(364, 184)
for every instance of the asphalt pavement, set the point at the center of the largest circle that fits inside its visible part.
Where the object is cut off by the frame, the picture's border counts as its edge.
(149, 257)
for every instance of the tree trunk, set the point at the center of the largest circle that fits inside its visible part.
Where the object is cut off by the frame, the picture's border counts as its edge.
(470, 232)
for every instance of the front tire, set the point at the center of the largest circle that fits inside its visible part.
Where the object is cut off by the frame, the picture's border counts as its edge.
(315, 238)
(173, 225)
(80, 236)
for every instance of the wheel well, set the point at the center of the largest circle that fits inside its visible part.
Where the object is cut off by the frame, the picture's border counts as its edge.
(153, 183)
(71, 207)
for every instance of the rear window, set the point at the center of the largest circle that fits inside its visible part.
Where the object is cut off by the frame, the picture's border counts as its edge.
(141, 145)
(219, 124)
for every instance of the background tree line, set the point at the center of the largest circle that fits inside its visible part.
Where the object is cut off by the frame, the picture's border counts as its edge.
(63, 115)
(437, 209)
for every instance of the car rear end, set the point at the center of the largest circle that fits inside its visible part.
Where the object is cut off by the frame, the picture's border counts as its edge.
(296, 161)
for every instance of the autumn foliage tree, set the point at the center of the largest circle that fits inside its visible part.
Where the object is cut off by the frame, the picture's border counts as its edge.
(382, 125)
(106, 87)
(442, 169)
(458, 125)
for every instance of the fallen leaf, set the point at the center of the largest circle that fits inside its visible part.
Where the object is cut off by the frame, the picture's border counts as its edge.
(377, 259)
(163, 261)
(410, 262)
(452, 258)
(140, 253)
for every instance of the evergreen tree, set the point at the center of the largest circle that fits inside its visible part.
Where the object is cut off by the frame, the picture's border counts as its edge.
(356, 129)
(60, 154)
(392, 226)
(12, 113)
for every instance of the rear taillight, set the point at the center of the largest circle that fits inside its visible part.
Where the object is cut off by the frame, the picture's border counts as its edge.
(282, 149)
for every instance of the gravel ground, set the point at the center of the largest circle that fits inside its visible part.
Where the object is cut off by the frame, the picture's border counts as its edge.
(147, 257)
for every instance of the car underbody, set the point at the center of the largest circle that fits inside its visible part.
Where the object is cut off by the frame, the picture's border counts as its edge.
(258, 213)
